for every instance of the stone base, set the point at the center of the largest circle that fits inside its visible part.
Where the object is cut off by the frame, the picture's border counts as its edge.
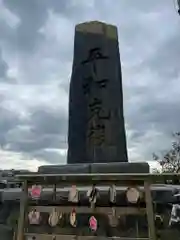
(141, 167)
(125, 167)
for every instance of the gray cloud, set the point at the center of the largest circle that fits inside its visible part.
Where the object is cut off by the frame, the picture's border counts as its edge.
(3, 67)
(8, 121)
(4, 71)
(43, 129)
(32, 16)
(56, 157)
(166, 60)
(36, 45)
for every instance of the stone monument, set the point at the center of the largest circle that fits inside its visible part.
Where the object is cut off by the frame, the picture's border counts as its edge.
(96, 122)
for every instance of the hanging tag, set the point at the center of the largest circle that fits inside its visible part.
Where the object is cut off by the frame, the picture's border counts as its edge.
(35, 191)
(133, 194)
(174, 218)
(93, 223)
(54, 218)
(158, 221)
(112, 192)
(73, 194)
(73, 220)
(93, 196)
(34, 217)
(113, 220)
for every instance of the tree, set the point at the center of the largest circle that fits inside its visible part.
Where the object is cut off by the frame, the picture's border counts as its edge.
(170, 161)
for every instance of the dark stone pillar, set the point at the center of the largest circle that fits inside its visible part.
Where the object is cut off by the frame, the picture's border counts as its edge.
(96, 122)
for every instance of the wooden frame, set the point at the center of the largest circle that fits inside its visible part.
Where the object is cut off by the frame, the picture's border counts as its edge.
(88, 179)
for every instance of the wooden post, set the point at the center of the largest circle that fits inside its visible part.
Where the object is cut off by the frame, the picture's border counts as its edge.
(150, 211)
(23, 202)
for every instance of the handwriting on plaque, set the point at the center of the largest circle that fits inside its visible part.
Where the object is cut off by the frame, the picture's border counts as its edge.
(96, 133)
(93, 79)
(88, 82)
(94, 54)
(96, 110)
(97, 115)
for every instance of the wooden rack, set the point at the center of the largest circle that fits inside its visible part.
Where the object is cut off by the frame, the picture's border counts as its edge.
(67, 180)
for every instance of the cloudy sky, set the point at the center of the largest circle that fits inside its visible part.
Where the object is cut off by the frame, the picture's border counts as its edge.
(36, 46)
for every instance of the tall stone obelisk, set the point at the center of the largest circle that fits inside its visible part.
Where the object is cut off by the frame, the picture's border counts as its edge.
(96, 122)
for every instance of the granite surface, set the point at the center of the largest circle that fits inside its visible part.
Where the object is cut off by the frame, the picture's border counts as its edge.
(96, 122)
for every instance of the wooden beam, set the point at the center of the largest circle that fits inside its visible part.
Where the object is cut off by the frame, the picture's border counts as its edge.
(70, 237)
(150, 211)
(84, 179)
(102, 210)
(23, 203)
